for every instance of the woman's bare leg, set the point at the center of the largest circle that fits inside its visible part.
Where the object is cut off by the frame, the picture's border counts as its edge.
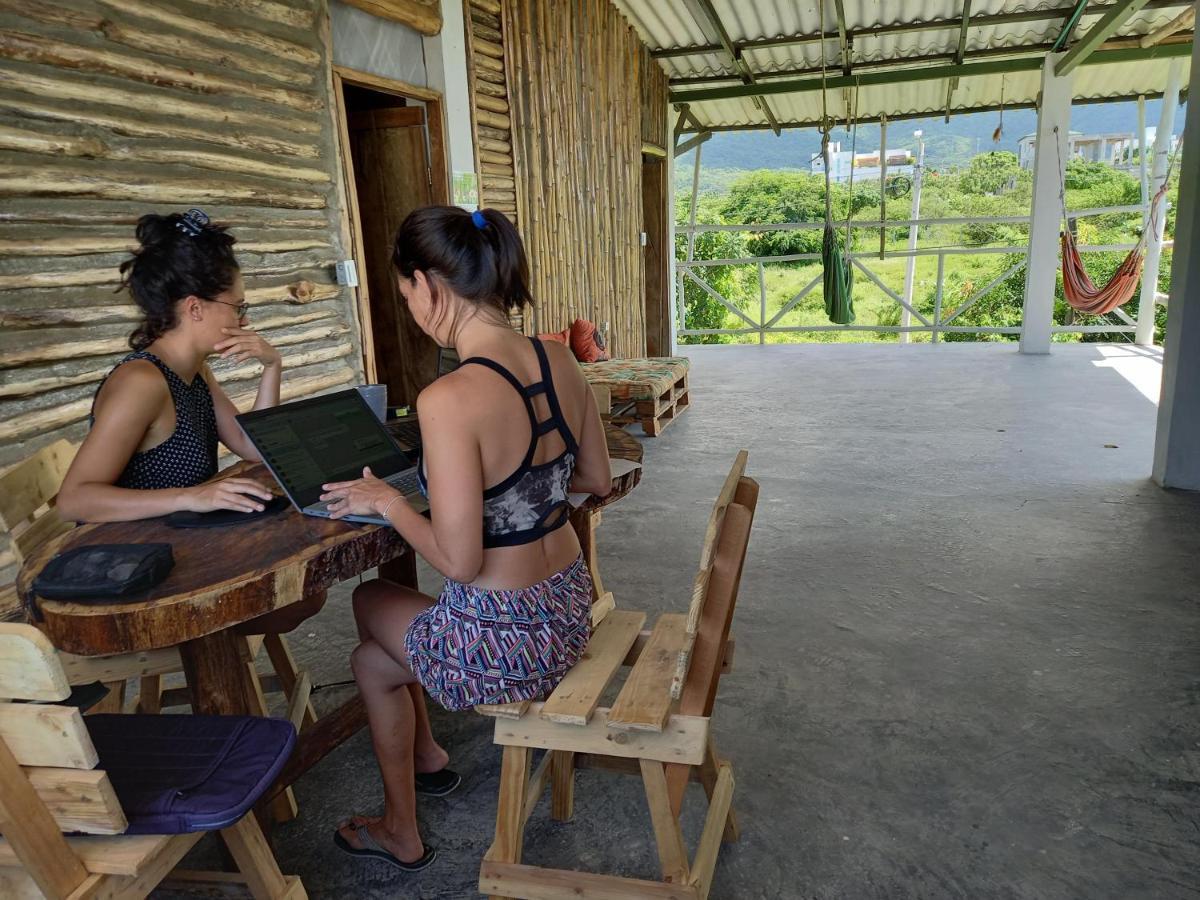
(382, 611)
(395, 711)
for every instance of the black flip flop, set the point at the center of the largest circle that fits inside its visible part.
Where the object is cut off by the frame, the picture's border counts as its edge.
(437, 784)
(371, 850)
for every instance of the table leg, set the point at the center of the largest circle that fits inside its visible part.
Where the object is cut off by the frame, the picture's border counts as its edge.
(215, 667)
(402, 570)
(584, 522)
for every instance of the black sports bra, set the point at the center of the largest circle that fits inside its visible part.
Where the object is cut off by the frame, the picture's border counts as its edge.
(532, 501)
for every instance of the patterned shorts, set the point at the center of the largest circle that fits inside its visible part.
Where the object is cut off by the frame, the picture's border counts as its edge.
(485, 646)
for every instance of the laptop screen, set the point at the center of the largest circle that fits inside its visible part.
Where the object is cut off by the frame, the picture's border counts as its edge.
(447, 361)
(327, 438)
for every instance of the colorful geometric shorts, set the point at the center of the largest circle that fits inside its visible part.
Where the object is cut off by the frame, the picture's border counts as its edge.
(483, 646)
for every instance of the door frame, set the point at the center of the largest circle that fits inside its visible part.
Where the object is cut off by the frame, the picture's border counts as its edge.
(435, 122)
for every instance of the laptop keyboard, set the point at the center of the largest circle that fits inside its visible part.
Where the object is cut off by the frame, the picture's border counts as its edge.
(408, 433)
(405, 482)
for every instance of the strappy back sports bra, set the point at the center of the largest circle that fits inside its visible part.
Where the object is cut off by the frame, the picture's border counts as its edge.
(531, 502)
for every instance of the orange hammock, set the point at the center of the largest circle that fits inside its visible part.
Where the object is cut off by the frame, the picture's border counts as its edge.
(1083, 295)
(1079, 290)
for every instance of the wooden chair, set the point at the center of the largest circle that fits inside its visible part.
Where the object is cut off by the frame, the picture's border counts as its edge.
(27, 511)
(49, 784)
(658, 727)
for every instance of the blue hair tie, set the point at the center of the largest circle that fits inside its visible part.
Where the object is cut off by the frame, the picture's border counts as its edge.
(478, 219)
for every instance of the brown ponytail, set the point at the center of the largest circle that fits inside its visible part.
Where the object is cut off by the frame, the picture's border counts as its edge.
(478, 255)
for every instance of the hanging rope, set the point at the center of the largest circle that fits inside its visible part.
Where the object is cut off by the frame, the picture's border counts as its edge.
(837, 275)
(1080, 291)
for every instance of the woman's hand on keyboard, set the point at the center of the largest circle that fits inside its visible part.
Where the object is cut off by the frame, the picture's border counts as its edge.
(366, 496)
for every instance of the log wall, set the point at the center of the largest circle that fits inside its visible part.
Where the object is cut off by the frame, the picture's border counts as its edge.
(113, 108)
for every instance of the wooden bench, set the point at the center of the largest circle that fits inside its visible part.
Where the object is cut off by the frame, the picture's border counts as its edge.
(27, 511)
(49, 784)
(652, 391)
(657, 727)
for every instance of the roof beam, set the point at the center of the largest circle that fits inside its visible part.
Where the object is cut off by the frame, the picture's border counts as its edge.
(1069, 24)
(959, 53)
(1038, 50)
(924, 73)
(979, 21)
(843, 40)
(1185, 19)
(1113, 19)
(908, 117)
(708, 15)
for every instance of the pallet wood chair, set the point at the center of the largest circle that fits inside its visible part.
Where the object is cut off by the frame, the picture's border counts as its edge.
(658, 727)
(50, 784)
(27, 511)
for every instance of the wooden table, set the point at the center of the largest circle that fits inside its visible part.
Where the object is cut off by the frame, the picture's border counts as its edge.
(222, 579)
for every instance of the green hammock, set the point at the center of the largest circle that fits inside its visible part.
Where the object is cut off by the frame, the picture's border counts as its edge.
(838, 280)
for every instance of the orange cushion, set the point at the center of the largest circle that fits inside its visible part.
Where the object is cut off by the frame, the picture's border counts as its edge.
(587, 342)
(563, 337)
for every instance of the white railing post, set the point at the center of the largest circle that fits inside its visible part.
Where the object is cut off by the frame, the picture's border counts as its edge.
(762, 305)
(937, 296)
(914, 215)
(1158, 212)
(692, 211)
(1053, 127)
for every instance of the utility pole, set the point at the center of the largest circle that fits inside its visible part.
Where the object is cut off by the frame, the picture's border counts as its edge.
(915, 215)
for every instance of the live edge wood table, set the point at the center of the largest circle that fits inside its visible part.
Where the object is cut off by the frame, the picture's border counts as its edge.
(223, 578)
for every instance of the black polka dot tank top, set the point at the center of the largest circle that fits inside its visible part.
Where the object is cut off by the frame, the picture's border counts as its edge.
(189, 456)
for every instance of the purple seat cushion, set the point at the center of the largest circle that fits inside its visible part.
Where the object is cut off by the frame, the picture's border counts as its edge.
(177, 774)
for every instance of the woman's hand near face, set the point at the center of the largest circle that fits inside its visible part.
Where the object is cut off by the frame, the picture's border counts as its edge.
(366, 496)
(245, 343)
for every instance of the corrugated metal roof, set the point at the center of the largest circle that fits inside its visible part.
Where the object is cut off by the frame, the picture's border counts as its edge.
(885, 34)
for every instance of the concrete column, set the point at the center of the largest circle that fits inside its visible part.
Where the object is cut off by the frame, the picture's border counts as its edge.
(446, 71)
(676, 296)
(1177, 444)
(1158, 215)
(1054, 111)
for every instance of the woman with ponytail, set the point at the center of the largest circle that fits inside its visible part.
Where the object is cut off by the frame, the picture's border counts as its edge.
(157, 417)
(505, 437)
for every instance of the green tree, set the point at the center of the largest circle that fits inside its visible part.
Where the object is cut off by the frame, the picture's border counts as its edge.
(735, 283)
(990, 173)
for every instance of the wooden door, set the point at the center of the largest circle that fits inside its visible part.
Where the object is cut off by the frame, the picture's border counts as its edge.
(657, 256)
(392, 178)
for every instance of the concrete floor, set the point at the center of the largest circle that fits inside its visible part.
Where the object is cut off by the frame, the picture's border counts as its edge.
(968, 640)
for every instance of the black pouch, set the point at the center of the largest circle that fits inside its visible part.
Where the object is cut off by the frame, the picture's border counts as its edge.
(104, 572)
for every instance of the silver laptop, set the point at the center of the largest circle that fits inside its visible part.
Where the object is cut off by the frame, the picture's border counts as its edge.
(406, 429)
(309, 443)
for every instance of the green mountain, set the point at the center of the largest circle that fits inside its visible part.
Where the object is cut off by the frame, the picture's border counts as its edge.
(947, 144)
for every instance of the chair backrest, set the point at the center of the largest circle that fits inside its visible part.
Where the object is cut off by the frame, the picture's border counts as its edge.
(27, 493)
(715, 588)
(47, 746)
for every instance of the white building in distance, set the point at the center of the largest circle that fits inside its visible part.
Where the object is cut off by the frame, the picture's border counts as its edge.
(1114, 149)
(900, 161)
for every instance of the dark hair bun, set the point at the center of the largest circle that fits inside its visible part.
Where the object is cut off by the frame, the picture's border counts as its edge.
(175, 261)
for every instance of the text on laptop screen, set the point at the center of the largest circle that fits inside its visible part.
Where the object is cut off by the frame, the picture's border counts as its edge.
(326, 439)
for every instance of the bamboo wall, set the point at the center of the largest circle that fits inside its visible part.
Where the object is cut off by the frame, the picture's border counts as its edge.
(113, 108)
(491, 122)
(578, 84)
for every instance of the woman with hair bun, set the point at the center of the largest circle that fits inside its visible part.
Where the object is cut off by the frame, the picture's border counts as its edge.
(157, 416)
(505, 437)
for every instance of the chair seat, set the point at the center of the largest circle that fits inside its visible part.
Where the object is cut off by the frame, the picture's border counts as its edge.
(180, 774)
